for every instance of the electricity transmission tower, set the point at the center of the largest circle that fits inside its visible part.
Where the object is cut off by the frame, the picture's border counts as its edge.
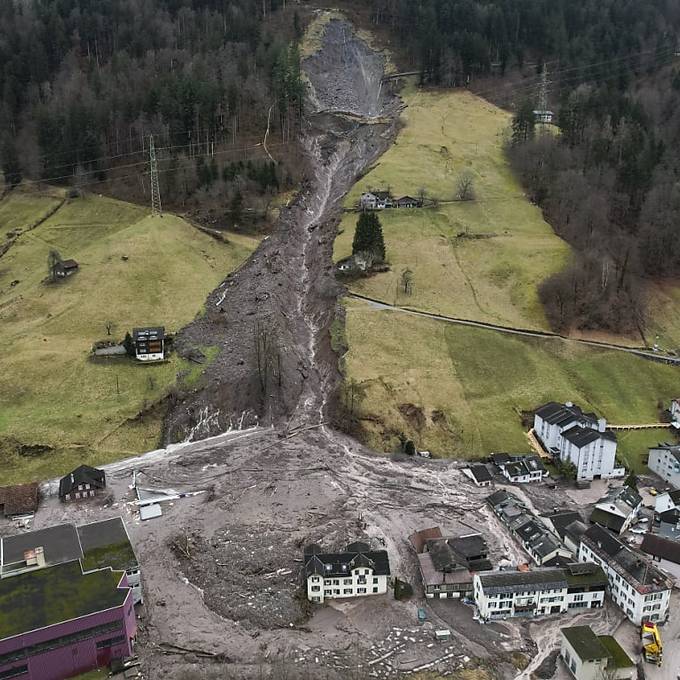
(542, 103)
(156, 208)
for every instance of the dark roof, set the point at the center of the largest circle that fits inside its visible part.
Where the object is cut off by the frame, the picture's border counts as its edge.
(443, 556)
(148, 333)
(607, 520)
(469, 546)
(585, 643)
(561, 519)
(60, 544)
(106, 544)
(500, 458)
(582, 436)
(83, 474)
(675, 496)
(408, 199)
(19, 499)
(581, 574)
(575, 530)
(659, 546)
(517, 581)
(622, 494)
(561, 414)
(480, 473)
(671, 516)
(497, 498)
(341, 564)
(381, 194)
(59, 593)
(604, 540)
(69, 264)
(358, 547)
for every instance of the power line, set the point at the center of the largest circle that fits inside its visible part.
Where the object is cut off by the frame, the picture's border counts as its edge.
(156, 208)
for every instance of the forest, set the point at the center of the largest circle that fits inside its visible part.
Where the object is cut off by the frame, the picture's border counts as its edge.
(84, 84)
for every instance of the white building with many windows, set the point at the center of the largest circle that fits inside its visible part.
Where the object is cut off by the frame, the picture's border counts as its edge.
(357, 572)
(541, 592)
(635, 585)
(665, 461)
(571, 435)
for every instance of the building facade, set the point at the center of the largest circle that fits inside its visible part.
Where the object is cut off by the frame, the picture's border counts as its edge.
(93, 623)
(665, 461)
(149, 343)
(571, 435)
(83, 482)
(635, 585)
(357, 572)
(594, 657)
(618, 509)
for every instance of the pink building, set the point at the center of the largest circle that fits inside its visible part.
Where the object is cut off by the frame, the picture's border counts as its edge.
(57, 622)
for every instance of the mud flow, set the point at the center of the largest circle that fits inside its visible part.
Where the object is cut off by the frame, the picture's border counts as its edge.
(272, 317)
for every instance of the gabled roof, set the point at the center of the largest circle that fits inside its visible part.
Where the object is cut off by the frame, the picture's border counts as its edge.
(622, 496)
(19, 499)
(585, 643)
(607, 519)
(659, 546)
(497, 498)
(480, 473)
(582, 436)
(148, 333)
(83, 474)
(69, 264)
(341, 564)
(518, 581)
(469, 546)
(562, 414)
(604, 540)
(671, 516)
(561, 519)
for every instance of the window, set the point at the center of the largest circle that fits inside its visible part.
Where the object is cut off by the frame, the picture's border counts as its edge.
(361, 591)
(14, 672)
(110, 642)
(375, 580)
(316, 589)
(375, 589)
(347, 591)
(347, 582)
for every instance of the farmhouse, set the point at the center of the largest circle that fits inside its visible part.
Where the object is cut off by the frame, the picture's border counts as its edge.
(637, 587)
(664, 459)
(376, 200)
(83, 482)
(65, 268)
(21, 499)
(98, 545)
(479, 474)
(59, 621)
(408, 202)
(571, 435)
(149, 343)
(356, 572)
(617, 509)
(592, 657)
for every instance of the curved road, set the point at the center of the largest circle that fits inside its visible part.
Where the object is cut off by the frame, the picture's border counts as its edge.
(645, 354)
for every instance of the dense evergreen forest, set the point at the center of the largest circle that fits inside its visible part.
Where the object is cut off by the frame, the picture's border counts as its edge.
(609, 182)
(84, 83)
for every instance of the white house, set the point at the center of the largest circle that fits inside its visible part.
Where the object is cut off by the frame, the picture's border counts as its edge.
(617, 509)
(668, 500)
(524, 469)
(541, 592)
(149, 343)
(479, 474)
(357, 572)
(376, 200)
(665, 461)
(594, 657)
(571, 435)
(635, 585)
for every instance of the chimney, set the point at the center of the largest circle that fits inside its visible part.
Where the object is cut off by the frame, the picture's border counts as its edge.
(601, 425)
(35, 557)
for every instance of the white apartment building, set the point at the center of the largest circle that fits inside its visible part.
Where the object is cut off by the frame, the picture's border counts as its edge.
(635, 585)
(536, 593)
(665, 461)
(357, 572)
(577, 437)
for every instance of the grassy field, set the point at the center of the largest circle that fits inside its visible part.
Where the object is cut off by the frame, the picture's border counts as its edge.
(480, 259)
(135, 269)
(468, 386)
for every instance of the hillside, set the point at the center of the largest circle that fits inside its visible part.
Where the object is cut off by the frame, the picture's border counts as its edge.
(480, 259)
(135, 269)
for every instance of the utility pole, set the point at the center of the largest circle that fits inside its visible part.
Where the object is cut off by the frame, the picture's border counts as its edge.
(542, 104)
(155, 188)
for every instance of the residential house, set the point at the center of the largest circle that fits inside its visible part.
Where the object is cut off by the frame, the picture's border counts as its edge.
(572, 535)
(664, 459)
(356, 572)
(543, 116)
(571, 435)
(668, 524)
(408, 202)
(668, 500)
(149, 343)
(664, 551)
(617, 510)
(479, 474)
(83, 482)
(65, 268)
(540, 592)
(558, 521)
(675, 410)
(447, 564)
(376, 200)
(21, 499)
(99, 545)
(593, 657)
(636, 586)
(58, 621)
(525, 469)
(543, 546)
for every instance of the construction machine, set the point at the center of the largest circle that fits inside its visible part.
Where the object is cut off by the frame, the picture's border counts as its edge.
(652, 648)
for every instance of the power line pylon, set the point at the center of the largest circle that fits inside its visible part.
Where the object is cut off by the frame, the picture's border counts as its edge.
(156, 208)
(542, 104)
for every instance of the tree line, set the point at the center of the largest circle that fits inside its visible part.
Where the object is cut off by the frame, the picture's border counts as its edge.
(83, 84)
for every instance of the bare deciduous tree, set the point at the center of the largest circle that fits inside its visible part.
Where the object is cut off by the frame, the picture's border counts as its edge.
(465, 186)
(407, 281)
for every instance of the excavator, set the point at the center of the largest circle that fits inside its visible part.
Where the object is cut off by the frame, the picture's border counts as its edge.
(652, 649)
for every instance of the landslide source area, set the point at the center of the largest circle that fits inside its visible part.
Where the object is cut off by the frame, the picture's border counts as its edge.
(271, 319)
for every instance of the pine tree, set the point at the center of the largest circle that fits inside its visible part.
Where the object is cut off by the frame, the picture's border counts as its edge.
(11, 167)
(523, 122)
(368, 236)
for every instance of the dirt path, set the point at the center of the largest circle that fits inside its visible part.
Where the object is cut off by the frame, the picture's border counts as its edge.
(272, 318)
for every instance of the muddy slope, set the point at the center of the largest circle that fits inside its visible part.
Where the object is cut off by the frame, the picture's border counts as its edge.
(271, 318)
